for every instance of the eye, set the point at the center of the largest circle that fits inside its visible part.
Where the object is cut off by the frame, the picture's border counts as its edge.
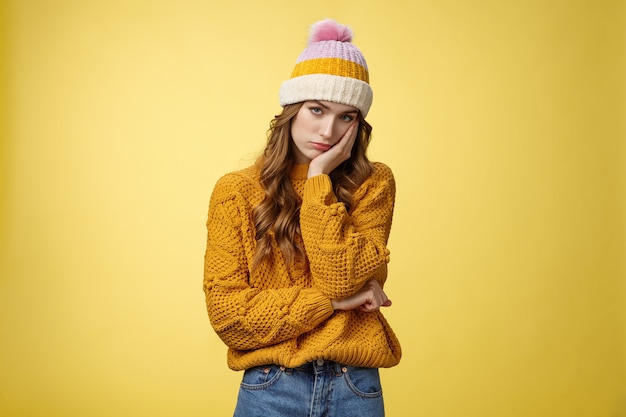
(347, 118)
(316, 110)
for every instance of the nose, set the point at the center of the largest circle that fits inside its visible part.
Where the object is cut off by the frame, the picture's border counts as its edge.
(327, 127)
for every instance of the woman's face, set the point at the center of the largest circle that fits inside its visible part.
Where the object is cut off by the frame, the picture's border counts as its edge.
(318, 126)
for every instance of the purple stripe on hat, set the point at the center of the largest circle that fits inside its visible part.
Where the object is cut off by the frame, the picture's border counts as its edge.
(333, 49)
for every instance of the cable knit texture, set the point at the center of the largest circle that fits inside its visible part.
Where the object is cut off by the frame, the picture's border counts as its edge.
(282, 314)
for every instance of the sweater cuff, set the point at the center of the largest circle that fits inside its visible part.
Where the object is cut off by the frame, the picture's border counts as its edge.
(320, 306)
(319, 188)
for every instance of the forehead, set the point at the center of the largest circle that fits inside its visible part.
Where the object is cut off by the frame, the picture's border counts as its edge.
(335, 107)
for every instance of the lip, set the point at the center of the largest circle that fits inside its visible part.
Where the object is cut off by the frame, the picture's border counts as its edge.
(321, 146)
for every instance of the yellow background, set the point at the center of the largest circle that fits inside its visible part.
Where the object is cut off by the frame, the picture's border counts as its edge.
(502, 120)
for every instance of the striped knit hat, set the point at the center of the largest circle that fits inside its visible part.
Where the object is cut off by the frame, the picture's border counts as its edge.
(331, 68)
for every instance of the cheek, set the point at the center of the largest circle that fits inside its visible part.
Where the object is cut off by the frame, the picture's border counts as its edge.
(296, 123)
(342, 130)
(296, 131)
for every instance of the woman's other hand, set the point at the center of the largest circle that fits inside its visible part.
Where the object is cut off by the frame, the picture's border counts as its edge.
(369, 298)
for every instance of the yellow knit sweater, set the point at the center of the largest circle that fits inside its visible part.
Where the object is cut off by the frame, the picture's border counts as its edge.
(282, 314)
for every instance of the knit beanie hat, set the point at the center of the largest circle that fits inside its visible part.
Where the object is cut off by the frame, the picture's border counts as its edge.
(330, 68)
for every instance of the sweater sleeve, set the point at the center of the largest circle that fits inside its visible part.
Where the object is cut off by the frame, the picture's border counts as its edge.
(347, 249)
(245, 317)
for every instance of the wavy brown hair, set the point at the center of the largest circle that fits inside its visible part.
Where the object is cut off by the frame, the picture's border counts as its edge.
(279, 212)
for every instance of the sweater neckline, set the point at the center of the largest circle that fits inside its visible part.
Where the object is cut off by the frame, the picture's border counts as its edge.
(299, 172)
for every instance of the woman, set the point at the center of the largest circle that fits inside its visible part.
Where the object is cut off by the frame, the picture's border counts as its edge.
(296, 255)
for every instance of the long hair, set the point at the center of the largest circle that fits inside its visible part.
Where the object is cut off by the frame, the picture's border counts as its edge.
(279, 212)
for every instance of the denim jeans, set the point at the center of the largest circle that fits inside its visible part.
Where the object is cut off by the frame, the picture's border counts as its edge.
(317, 389)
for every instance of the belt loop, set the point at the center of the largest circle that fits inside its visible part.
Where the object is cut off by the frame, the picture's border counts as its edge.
(337, 369)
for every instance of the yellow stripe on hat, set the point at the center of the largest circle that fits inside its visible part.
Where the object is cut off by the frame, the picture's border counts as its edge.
(331, 66)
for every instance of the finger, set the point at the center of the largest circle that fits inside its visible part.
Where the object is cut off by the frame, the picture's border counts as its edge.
(350, 135)
(367, 308)
(354, 130)
(373, 305)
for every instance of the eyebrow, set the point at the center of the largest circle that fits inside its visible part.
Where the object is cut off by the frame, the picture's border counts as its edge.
(327, 108)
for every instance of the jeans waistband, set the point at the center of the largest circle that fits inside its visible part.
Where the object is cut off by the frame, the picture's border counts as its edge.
(319, 366)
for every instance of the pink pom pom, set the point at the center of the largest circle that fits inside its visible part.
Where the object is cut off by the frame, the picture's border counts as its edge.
(329, 30)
